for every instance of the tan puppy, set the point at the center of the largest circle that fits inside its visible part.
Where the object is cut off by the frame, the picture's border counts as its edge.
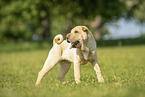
(79, 48)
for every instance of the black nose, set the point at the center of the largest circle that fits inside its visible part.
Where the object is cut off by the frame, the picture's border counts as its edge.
(68, 40)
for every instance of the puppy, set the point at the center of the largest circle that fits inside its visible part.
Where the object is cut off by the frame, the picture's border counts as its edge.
(79, 48)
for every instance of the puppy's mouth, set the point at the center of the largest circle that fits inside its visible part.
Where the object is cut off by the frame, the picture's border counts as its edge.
(76, 44)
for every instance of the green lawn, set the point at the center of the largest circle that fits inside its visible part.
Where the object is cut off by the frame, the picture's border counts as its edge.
(123, 69)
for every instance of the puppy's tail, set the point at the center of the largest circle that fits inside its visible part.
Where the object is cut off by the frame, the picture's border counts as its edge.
(58, 39)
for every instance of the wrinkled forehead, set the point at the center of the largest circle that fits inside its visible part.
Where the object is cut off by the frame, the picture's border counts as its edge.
(78, 28)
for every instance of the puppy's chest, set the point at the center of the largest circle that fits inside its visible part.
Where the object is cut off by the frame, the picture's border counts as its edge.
(87, 55)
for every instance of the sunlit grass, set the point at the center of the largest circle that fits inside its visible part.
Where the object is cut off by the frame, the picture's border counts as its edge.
(122, 68)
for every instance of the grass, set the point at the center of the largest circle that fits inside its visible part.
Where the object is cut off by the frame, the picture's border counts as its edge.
(123, 69)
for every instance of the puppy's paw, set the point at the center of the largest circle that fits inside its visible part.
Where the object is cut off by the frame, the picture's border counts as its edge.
(64, 82)
(78, 81)
(101, 80)
(37, 84)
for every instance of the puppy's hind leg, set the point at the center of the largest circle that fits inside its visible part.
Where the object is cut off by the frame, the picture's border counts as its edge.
(52, 59)
(98, 71)
(64, 67)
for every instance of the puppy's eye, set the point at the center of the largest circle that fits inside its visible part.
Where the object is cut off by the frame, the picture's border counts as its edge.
(76, 32)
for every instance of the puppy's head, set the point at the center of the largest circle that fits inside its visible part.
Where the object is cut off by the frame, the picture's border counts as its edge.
(77, 37)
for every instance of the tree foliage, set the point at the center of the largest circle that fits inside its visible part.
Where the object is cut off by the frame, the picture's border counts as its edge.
(21, 19)
(136, 10)
(140, 13)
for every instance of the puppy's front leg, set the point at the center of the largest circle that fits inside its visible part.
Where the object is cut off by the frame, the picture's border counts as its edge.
(98, 71)
(77, 72)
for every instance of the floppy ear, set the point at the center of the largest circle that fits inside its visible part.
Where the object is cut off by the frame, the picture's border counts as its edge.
(85, 29)
(83, 46)
(85, 37)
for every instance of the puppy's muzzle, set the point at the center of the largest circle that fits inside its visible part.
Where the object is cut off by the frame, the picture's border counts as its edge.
(67, 38)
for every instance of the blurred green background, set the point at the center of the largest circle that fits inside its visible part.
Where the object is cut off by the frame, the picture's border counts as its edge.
(27, 28)
(27, 20)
